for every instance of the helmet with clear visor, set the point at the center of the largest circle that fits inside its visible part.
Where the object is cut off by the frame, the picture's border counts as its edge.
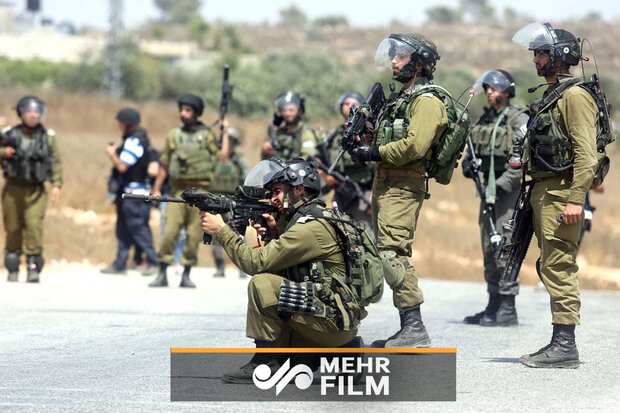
(415, 46)
(499, 80)
(561, 45)
(30, 104)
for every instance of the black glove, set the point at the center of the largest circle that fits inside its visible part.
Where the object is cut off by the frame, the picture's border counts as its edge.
(364, 154)
(466, 166)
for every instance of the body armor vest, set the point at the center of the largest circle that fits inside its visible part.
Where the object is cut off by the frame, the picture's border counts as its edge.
(335, 290)
(193, 158)
(482, 132)
(549, 149)
(32, 162)
(228, 176)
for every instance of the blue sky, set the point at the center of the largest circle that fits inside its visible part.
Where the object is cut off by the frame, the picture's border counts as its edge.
(362, 13)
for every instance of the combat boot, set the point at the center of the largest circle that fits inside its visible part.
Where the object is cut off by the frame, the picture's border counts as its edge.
(244, 374)
(491, 309)
(220, 273)
(411, 334)
(161, 280)
(506, 314)
(13, 276)
(185, 281)
(561, 353)
(220, 266)
(34, 264)
(151, 269)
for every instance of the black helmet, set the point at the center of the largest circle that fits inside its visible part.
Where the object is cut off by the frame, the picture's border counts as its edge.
(289, 97)
(498, 79)
(302, 172)
(128, 116)
(192, 100)
(421, 50)
(30, 102)
(561, 45)
(355, 95)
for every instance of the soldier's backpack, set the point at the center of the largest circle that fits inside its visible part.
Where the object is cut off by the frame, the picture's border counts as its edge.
(604, 134)
(364, 266)
(453, 139)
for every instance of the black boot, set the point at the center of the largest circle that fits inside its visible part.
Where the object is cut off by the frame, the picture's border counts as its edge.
(506, 314)
(161, 280)
(185, 281)
(561, 353)
(35, 265)
(412, 332)
(491, 309)
(244, 374)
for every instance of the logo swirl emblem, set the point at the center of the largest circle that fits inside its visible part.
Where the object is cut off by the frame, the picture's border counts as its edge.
(301, 373)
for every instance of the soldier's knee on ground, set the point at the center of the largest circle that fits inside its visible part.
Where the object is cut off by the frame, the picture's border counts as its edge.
(394, 268)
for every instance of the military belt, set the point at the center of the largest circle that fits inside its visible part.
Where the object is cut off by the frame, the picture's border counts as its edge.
(398, 173)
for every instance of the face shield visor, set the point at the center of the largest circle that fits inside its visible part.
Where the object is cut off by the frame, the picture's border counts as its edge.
(261, 175)
(536, 36)
(392, 48)
(493, 78)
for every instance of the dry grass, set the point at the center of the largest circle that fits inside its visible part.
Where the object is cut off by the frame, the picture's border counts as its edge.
(447, 242)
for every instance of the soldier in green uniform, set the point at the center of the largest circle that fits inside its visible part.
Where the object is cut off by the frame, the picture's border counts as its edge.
(190, 157)
(288, 137)
(228, 176)
(30, 156)
(411, 122)
(298, 295)
(346, 198)
(493, 137)
(561, 158)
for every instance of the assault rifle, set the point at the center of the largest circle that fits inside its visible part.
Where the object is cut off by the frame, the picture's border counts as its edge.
(347, 185)
(273, 138)
(488, 210)
(356, 124)
(227, 91)
(241, 207)
(517, 236)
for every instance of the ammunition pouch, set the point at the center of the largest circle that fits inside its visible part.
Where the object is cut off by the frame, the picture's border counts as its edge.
(550, 153)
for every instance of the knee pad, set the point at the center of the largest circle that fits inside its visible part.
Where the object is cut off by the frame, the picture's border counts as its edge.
(11, 261)
(393, 268)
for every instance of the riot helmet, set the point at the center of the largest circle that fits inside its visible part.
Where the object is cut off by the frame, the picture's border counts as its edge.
(499, 80)
(561, 45)
(288, 98)
(343, 98)
(30, 103)
(420, 50)
(192, 100)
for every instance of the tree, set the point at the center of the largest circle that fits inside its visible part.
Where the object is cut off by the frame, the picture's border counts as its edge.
(442, 15)
(331, 21)
(293, 16)
(178, 11)
(477, 11)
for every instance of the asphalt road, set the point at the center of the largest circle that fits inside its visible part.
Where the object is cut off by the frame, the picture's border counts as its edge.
(81, 341)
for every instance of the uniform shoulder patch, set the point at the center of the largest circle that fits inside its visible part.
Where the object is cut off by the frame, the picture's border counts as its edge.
(305, 219)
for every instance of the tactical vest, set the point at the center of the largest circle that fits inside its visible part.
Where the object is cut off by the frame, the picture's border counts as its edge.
(550, 151)
(481, 134)
(227, 176)
(193, 158)
(359, 173)
(442, 157)
(363, 282)
(32, 162)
